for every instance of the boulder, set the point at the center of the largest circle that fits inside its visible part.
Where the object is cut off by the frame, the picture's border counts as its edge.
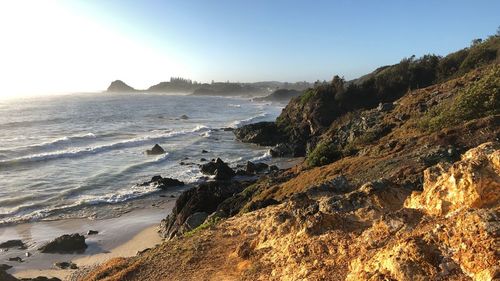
(163, 183)
(262, 133)
(68, 243)
(184, 117)
(156, 150)
(253, 168)
(12, 244)
(282, 150)
(473, 182)
(193, 221)
(218, 168)
(92, 232)
(201, 199)
(65, 265)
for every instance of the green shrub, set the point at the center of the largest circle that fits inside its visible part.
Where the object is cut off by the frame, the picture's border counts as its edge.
(478, 99)
(323, 153)
(307, 95)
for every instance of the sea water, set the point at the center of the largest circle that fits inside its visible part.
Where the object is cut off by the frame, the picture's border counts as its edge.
(59, 154)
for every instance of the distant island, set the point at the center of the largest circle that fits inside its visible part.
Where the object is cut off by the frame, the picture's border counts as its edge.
(120, 86)
(188, 86)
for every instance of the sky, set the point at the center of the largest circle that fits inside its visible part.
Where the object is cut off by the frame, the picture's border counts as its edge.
(50, 46)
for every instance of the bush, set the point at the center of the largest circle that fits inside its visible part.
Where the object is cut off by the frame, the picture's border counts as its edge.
(323, 153)
(478, 99)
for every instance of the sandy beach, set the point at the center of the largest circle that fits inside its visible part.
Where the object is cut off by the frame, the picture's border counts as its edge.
(122, 236)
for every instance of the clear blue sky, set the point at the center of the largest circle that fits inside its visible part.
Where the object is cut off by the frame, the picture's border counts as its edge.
(280, 40)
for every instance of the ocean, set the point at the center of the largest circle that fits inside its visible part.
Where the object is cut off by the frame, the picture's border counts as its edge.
(62, 154)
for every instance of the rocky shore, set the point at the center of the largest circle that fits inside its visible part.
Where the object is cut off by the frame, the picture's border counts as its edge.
(396, 184)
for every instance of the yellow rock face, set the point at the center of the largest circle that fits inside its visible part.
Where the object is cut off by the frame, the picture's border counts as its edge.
(473, 182)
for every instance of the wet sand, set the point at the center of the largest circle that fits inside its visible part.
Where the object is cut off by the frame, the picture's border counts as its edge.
(121, 236)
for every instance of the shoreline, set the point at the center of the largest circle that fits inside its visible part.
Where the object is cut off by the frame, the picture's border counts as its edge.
(140, 218)
(110, 242)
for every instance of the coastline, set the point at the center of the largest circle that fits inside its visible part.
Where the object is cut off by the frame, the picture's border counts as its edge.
(111, 241)
(139, 217)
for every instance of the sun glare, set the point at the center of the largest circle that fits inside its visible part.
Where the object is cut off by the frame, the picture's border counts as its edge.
(48, 47)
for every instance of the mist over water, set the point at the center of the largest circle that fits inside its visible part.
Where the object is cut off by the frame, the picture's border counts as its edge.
(65, 152)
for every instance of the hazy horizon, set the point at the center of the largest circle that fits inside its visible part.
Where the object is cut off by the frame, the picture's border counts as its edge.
(81, 46)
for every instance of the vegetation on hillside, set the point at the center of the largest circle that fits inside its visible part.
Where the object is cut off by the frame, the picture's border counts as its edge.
(309, 115)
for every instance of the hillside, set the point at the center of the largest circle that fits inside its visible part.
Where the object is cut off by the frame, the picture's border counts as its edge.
(406, 190)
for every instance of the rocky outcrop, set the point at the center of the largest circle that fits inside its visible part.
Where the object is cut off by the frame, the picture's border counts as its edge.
(156, 150)
(218, 168)
(120, 86)
(66, 244)
(202, 199)
(262, 133)
(473, 182)
(163, 183)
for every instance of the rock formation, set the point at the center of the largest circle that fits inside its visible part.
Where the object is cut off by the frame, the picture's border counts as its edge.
(120, 87)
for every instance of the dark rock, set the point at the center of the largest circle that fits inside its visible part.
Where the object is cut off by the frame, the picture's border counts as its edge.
(156, 150)
(66, 265)
(18, 259)
(262, 204)
(12, 244)
(41, 278)
(68, 243)
(273, 168)
(228, 129)
(193, 221)
(184, 117)
(204, 151)
(262, 133)
(92, 232)
(385, 107)
(283, 150)
(243, 173)
(253, 168)
(203, 160)
(218, 168)
(163, 183)
(4, 267)
(203, 198)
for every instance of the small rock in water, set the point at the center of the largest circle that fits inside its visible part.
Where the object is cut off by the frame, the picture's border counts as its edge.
(204, 151)
(156, 150)
(184, 117)
(12, 244)
(203, 160)
(18, 259)
(92, 232)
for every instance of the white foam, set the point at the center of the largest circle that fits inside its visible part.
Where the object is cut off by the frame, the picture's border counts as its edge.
(259, 117)
(78, 152)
